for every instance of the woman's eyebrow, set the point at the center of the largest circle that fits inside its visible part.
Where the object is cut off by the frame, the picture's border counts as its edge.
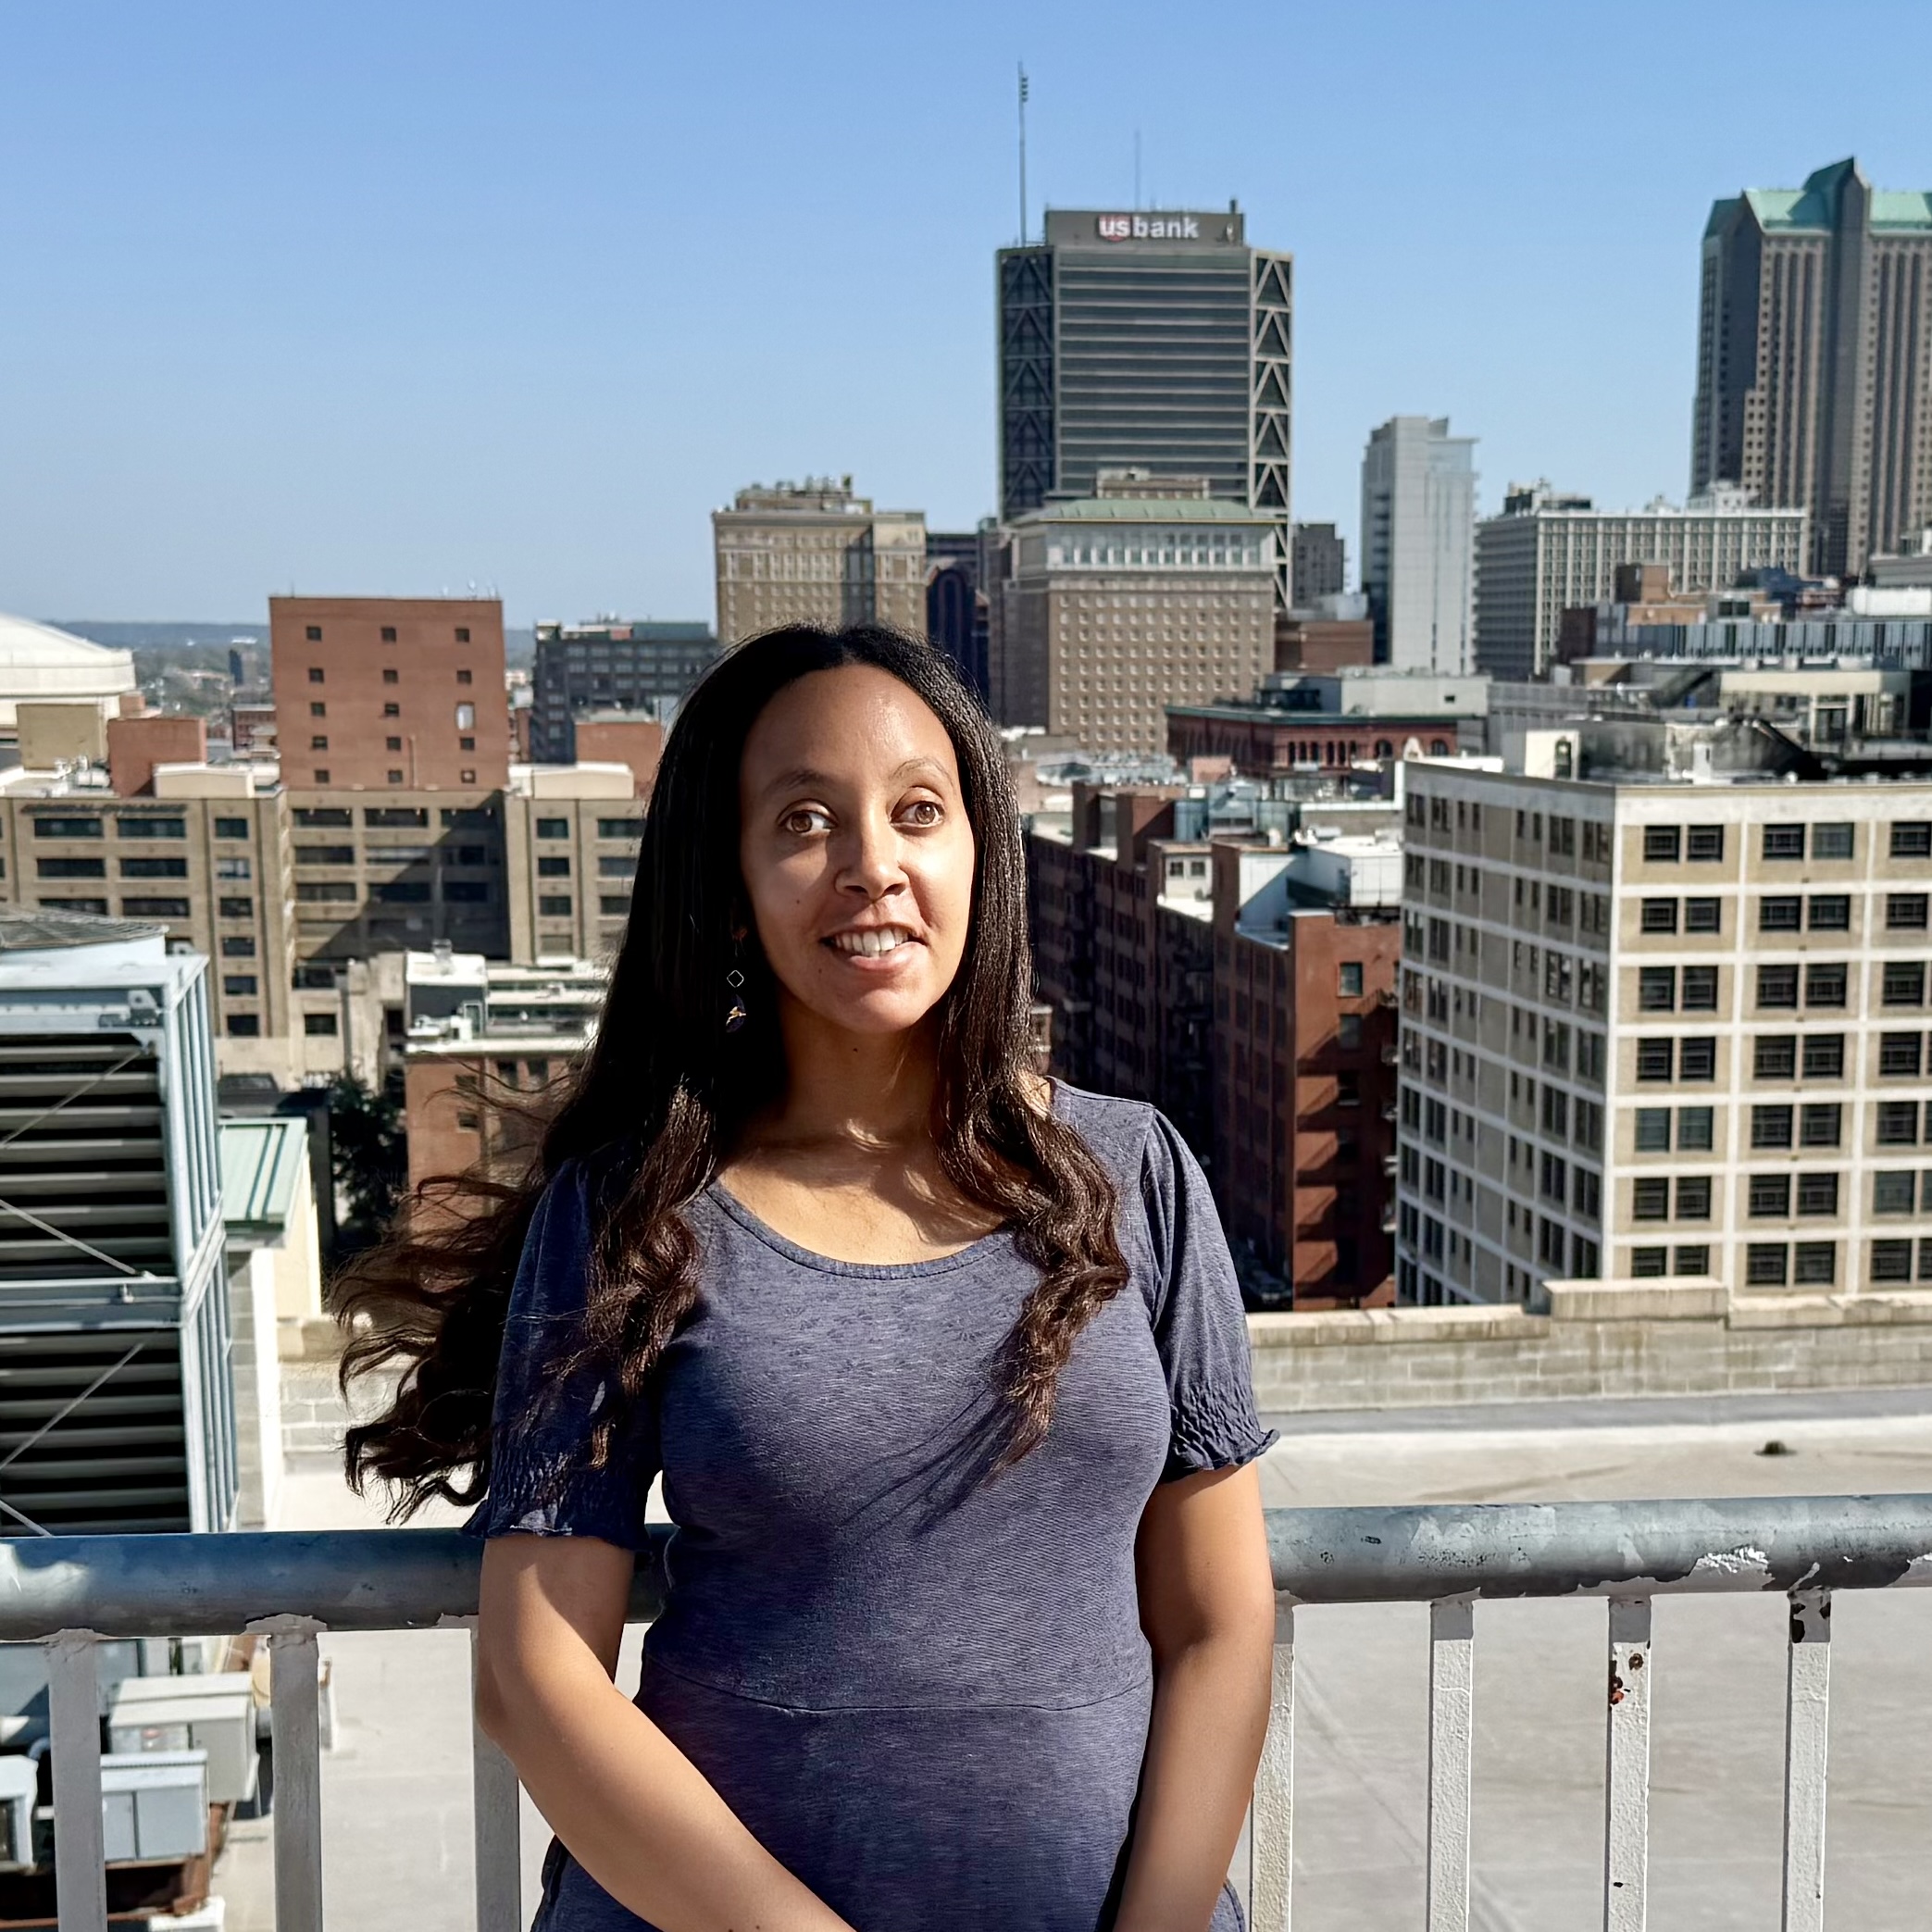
(803, 777)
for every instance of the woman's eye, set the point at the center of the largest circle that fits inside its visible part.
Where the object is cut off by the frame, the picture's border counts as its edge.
(924, 811)
(803, 823)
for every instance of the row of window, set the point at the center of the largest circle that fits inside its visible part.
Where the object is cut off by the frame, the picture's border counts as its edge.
(613, 865)
(314, 633)
(1666, 844)
(397, 854)
(319, 743)
(320, 775)
(633, 829)
(1766, 1264)
(392, 891)
(137, 868)
(91, 827)
(1768, 1196)
(475, 819)
(559, 906)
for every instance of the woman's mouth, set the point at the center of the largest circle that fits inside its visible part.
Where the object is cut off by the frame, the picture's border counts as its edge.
(870, 941)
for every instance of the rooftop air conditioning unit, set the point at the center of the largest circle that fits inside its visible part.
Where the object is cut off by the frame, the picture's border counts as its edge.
(213, 1714)
(154, 1806)
(19, 1784)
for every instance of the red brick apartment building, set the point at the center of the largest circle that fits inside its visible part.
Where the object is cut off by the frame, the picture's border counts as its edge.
(389, 694)
(1260, 739)
(1307, 950)
(1241, 1022)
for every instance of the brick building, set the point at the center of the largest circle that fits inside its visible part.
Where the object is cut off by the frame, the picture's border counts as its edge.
(389, 694)
(1307, 946)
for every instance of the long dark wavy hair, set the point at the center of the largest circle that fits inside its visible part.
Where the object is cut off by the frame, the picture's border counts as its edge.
(665, 1091)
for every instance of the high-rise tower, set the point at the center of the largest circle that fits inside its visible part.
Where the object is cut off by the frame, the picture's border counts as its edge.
(1158, 341)
(1814, 359)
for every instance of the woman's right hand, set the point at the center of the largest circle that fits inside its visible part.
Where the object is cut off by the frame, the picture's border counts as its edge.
(628, 1805)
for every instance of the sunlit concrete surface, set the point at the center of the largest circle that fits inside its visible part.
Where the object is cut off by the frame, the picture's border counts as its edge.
(396, 1788)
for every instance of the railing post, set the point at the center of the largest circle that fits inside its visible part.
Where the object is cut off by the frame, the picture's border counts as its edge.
(1271, 1830)
(79, 1839)
(293, 1696)
(1626, 1779)
(499, 1825)
(1451, 1735)
(1807, 1714)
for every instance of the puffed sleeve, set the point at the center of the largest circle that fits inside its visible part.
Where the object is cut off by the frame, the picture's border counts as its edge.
(1199, 1324)
(540, 1483)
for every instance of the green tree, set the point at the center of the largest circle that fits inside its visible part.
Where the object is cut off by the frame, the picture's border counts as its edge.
(370, 1159)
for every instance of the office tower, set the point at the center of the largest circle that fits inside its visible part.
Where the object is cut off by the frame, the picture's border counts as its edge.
(813, 553)
(116, 1320)
(1109, 608)
(1651, 1027)
(1153, 341)
(610, 665)
(389, 694)
(1418, 522)
(1320, 564)
(1549, 552)
(1814, 359)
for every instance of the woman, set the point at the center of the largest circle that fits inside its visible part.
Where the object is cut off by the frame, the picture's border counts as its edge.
(944, 1369)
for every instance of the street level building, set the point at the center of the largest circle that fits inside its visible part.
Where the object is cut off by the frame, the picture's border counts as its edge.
(1651, 1027)
(1548, 553)
(813, 553)
(1418, 524)
(1159, 341)
(610, 665)
(389, 694)
(1814, 359)
(1108, 609)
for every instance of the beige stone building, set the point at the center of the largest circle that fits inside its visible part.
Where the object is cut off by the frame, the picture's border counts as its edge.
(813, 553)
(1652, 1027)
(571, 834)
(1110, 608)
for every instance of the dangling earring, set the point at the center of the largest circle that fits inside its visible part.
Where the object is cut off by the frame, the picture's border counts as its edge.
(735, 1014)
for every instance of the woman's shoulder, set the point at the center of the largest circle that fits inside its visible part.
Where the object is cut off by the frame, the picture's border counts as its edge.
(1118, 1132)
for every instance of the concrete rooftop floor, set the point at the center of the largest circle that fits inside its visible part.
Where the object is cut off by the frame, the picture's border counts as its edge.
(396, 1787)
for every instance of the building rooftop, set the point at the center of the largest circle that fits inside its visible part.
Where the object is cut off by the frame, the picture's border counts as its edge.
(263, 1164)
(1808, 209)
(1149, 510)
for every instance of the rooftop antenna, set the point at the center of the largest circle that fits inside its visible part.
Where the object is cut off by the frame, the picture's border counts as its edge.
(1022, 154)
(1137, 170)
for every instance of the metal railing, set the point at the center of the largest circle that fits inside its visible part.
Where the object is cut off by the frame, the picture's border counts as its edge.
(292, 1587)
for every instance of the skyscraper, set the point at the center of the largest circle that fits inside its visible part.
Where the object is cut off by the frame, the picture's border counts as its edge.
(1814, 359)
(1418, 536)
(1156, 341)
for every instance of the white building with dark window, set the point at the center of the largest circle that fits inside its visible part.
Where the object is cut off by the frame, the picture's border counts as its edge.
(1418, 544)
(1657, 1028)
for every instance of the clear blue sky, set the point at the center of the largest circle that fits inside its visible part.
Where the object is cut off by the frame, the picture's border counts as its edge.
(396, 297)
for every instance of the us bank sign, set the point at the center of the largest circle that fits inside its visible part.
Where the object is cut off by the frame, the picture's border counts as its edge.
(1149, 228)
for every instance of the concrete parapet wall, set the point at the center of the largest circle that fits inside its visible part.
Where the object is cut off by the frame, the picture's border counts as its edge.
(1596, 1339)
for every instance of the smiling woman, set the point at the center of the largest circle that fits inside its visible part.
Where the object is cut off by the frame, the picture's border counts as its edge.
(944, 1369)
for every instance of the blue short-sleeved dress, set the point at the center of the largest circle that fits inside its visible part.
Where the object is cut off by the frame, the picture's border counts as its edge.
(925, 1693)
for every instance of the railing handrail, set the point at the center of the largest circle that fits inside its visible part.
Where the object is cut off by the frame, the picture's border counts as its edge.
(405, 1580)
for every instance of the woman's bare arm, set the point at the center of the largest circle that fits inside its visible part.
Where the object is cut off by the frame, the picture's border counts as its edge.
(1207, 1603)
(632, 1808)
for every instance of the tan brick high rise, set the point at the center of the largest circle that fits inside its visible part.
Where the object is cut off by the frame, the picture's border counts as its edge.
(813, 553)
(389, 694)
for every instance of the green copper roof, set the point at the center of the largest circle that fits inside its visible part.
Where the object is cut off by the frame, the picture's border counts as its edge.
(1813, 209)
(1895, 209)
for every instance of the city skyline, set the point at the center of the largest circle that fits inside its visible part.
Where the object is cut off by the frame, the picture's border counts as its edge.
(473, 319)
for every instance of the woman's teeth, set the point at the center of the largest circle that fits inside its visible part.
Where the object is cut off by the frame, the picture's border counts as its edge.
(873, 941)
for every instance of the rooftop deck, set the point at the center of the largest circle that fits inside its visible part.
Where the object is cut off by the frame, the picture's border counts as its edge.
(1446, 1765)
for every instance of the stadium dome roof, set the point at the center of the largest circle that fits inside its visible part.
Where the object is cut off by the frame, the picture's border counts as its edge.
(39, 662)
